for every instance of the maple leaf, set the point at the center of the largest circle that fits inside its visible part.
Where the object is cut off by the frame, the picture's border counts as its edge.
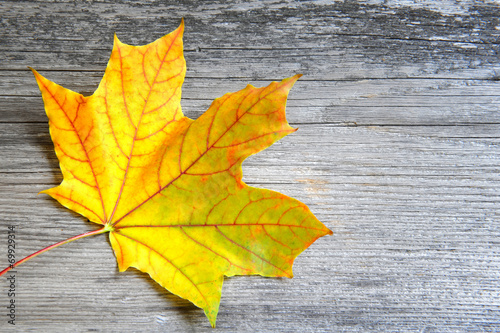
(168, 189)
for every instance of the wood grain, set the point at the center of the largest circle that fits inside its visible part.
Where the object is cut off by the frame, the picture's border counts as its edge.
(398, 152)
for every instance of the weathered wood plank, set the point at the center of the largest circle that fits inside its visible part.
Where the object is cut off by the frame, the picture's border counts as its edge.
(364, 102)
(412, 41)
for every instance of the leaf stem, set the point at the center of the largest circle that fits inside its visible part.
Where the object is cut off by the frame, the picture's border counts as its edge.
(86, 234)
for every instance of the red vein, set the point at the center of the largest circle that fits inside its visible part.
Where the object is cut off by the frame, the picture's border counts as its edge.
(80, 180)
(89, 133)
(111, 124)
(60, 128)
(77, 203)
(251, 202)
(251, 252)
(286, 211)
(158, 131)
(206, 247)
(274, 239)
(221, 103)
(215, 225)
(214, 172)
(213, 207)
(179, 162)
(69, 156)
(122, 81)
(253, 139)
(144, 68)
(168, 100)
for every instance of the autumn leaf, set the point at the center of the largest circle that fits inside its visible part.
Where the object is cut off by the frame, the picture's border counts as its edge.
(168, 189)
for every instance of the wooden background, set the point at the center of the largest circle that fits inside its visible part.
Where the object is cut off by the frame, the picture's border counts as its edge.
(398, 152)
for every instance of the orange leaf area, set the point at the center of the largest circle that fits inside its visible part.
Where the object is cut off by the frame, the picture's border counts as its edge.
(169, 189)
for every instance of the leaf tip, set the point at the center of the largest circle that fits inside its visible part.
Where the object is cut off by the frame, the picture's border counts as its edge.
(294, 78)
(211, 316)
(116, 41)
(290, 81)
(47, 191)
(38, 76)
(181, 27)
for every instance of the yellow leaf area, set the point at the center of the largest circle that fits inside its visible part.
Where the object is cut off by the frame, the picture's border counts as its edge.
(167, 188)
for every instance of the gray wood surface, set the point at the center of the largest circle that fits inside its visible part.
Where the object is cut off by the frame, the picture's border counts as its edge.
(398, 152)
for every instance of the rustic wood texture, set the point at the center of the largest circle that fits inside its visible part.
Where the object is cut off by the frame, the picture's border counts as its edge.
(398, 152)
